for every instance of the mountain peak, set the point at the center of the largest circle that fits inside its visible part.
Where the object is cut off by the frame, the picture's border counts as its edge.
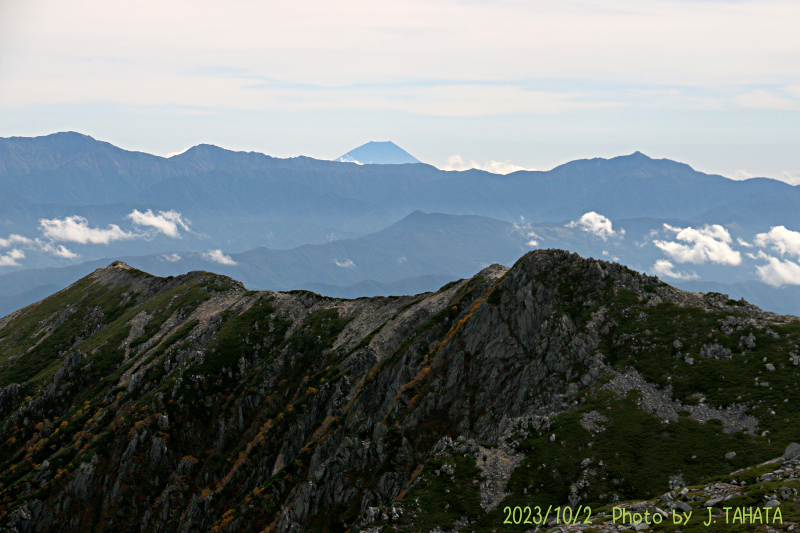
(635, 156)
(378, 153)
(119, 264)
(70, 135)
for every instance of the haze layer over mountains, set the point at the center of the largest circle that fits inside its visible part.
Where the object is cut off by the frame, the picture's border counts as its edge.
(70, 204)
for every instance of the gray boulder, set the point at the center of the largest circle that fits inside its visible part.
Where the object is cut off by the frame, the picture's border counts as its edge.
(715, 351)
(792, 452)
(682, 506)
(749, 341)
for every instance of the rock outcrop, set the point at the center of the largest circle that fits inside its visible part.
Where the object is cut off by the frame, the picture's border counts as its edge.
(136, 403)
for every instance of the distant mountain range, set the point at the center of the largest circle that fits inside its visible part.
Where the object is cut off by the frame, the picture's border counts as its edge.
(295, 223)
(74, 169)
(378, 153)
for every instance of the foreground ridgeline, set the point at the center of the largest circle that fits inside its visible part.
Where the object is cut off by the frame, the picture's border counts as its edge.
(561, 390)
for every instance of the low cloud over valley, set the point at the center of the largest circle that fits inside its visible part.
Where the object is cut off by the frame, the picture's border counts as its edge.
(77, 230)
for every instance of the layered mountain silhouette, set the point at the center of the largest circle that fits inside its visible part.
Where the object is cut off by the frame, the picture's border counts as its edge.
(74, 169)
(263, 211)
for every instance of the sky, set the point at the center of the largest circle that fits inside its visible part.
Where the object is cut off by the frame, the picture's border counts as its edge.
(495, 84)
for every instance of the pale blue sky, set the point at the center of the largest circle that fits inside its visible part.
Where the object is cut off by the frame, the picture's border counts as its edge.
(714, 84)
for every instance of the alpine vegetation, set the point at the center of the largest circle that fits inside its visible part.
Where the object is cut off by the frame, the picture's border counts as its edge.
(558, 393)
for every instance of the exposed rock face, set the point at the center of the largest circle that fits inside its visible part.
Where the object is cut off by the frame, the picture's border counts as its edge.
(135, 403)
(660, 403)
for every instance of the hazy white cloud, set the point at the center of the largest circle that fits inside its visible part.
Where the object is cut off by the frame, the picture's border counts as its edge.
(780, 239)
(526, 230)
(402, 259)
(347, 263)
(62, 251)
(173, 154)
(172, 258)
(606, 253)
(11, 257)
(216, 256)
(166, 222)
(14, 239)
(597, 225)
(793, 90)
(456, 162)
(348, 159)
(32, 244)
(58, 251)
(792, 178)
(709, 243)
(472, 100)
(777, 272)
(699, 44)
(762, 99)
(743, 242)
(742, 175)
(662, 267)
(76, 229)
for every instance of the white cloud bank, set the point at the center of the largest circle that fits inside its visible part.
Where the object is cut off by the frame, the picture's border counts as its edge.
(777, 272)
(780, 239)
(347, 263)
(709, 243)
(58, 251)
(662, 267)
(597, 225)
(14, 239)
(166, 222)
(63, 251)
(216, 256)
(456, 162)
(349, 159)
(10, 258)
(76, 229)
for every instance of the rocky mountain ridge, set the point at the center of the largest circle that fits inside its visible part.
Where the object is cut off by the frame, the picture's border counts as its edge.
(135, 403)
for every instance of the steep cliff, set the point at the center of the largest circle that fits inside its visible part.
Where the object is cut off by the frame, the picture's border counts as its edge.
(135, 403)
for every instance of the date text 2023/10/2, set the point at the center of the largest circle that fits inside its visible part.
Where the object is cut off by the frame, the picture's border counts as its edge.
(582, 515)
